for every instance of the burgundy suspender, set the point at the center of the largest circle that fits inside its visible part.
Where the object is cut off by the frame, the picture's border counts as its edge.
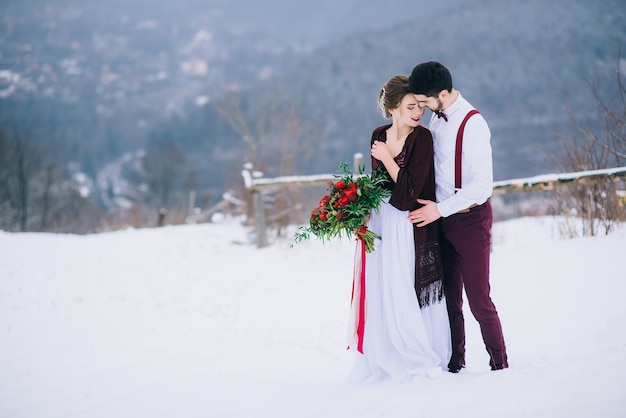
(459, 149)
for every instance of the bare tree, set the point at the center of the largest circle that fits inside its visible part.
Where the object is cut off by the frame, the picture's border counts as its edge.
(252, 120)
(163, 164)
(21, 161)
(5, 203)
(293, 144)
(35, 193)
(612, 116)
(593, 208)
(278, 139)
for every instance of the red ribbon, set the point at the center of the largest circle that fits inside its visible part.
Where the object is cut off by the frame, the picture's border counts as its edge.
(360, 326)
(360, 330)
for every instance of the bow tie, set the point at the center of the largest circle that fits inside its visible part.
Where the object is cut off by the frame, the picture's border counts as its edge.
(440, 114)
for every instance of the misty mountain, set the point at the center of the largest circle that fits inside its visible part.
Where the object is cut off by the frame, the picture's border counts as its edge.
(519, 63)
(100, 78)
(99, 81)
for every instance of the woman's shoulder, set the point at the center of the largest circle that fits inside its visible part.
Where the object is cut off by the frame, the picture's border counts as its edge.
(381, 128)
(421, 133)
(422, 130)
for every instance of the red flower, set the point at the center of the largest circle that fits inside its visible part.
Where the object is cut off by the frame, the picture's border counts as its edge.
(343, 201)
(351, 194)
(345, 208)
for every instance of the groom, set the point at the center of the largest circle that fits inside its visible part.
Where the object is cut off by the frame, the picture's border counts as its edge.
(464, 183)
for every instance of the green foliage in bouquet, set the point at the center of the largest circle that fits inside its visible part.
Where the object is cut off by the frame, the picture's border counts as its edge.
(346, 207)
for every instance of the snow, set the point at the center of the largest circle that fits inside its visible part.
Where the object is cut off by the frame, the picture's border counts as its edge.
(195, 321)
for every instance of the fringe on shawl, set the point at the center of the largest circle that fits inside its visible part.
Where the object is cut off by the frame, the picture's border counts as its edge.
(428, 274)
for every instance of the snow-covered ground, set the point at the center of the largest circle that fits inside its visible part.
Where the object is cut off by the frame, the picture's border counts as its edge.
(194, 321)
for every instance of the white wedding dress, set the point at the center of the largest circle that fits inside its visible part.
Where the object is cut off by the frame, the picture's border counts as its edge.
(400, 340)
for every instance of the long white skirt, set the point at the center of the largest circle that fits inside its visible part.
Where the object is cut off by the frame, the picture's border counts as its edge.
(400, 340)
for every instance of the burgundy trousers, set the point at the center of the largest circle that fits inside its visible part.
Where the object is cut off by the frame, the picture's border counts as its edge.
(465, 241)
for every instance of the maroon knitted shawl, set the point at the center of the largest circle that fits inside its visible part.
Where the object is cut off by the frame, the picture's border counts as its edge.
(416, 179)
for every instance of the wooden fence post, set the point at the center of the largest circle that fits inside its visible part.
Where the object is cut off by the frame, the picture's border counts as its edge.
(258, 205)
(259, 218)
(358, 162)
(192, 203)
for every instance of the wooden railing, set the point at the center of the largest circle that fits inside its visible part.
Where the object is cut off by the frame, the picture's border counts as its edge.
(552, 181)
(256, 184)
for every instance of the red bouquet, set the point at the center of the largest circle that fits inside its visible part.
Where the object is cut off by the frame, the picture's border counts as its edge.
(344, 210)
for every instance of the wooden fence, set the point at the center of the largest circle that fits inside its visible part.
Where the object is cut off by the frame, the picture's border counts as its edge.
(256, 184)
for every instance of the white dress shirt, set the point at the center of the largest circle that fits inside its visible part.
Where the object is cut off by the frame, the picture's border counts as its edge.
(476, 158)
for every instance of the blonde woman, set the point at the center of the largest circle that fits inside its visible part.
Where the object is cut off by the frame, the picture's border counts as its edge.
(407, 332)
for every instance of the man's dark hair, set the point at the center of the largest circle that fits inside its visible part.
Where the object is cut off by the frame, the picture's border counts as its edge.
(429, 78)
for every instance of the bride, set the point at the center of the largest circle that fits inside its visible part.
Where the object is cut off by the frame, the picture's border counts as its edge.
(406, 331)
